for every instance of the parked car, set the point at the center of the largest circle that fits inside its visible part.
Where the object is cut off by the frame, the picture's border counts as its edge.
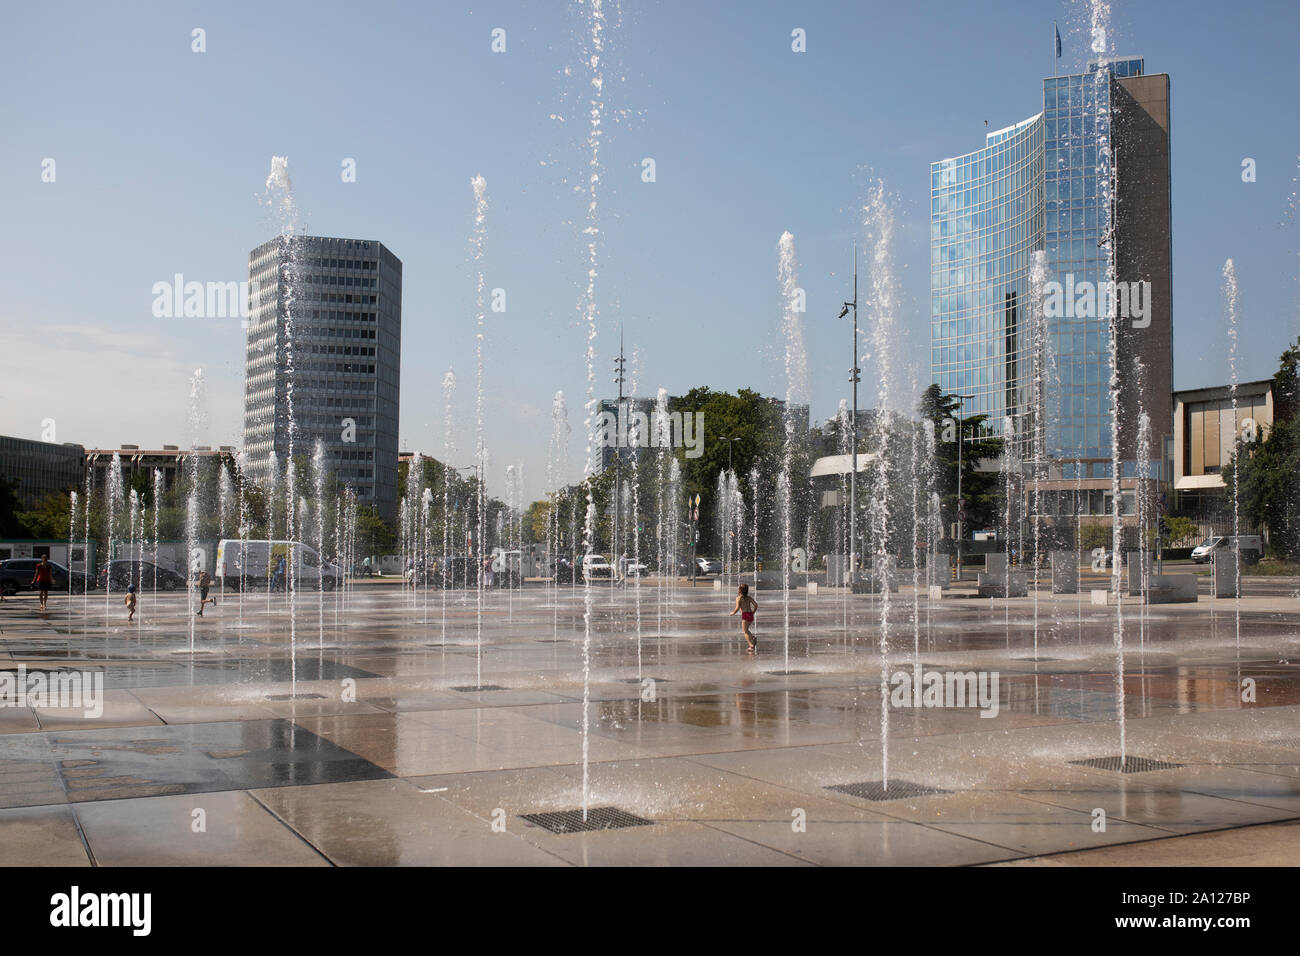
(1252, 547)
(16, 575)
(595, 566)
(705, 565)
(117, 575)
(631, 568)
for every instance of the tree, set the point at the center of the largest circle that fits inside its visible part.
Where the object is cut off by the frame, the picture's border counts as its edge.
(374, 536)
(980, 489)
(49, 519)
(1261, 473)
(10, 527)
(1178, 529)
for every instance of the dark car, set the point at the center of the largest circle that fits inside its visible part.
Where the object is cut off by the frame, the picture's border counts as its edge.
(16, 575)
(117, 575)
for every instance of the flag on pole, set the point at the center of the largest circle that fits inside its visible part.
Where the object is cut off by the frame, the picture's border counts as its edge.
(1058, 41)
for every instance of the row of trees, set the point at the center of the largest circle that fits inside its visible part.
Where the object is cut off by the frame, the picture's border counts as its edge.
(1263, 475)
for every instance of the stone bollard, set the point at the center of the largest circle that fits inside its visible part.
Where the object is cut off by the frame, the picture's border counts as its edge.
(1065, 572)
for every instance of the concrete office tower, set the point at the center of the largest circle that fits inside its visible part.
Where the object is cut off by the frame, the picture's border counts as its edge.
(325, 338)
(1035, 186)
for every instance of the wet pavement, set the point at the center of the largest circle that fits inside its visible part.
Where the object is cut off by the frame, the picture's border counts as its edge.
(401, 730)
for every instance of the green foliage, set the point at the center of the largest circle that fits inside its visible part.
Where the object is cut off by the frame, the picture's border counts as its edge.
(1097, 534)
(10, 526)
(980, 489)
(1262, 473)
(1179, 531)
(374, 535)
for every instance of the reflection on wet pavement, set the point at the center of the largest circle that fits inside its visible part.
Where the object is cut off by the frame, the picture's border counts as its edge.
(368, 743)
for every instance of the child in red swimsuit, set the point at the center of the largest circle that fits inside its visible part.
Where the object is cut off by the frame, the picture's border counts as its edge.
(746, 606)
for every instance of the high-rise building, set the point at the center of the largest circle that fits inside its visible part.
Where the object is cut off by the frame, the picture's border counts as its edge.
(1097, 153)
(324, 353)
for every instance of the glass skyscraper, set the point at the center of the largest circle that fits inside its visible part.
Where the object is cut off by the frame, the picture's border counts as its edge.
(1046, 184)
(325, 339)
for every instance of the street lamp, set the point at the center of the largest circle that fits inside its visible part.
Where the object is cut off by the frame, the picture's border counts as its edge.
(854, 377)
(620, 379)
(961, 502)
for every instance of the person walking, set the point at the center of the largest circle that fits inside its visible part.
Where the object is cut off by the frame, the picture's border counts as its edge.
(43, 578)
(130, 601)
(277, 579)
(746, 606)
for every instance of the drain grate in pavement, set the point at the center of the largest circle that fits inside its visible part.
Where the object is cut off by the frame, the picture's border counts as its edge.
(1292, 742)
(789, 673)
(1131, 764)
(637, 680)
(473, 688)
(296, 697)
(875, 790)
(1037, 660)
(598, 818)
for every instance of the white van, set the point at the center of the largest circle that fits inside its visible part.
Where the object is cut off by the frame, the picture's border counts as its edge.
(1252, 547)
(252, 564)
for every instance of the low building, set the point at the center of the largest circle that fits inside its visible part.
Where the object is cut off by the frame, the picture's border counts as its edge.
(40, 468)
(1206, 432)
(169, 461)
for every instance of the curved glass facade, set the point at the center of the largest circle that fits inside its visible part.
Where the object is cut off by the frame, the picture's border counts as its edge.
(986, 219)
(1035, 185)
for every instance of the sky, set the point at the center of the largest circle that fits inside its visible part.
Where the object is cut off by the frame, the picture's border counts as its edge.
(161, 154)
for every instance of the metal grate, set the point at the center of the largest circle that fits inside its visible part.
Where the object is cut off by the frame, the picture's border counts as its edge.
(1037, 660)
(296, 697)
(789, 673)
(598, 818)
(875, 790)
(1131, 764)
(472, 688)
(637, 680)
(1292, 742)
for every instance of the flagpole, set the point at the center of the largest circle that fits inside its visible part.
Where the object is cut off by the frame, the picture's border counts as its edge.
(1055, 56)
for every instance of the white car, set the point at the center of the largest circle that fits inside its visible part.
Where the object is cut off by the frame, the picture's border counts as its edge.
(708, 566)
(595, 566)
(631, 568)
(1252, 548)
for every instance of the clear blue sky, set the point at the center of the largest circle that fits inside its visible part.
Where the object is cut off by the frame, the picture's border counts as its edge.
(161, 154)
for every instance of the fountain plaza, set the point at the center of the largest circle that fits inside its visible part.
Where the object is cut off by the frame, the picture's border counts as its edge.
(405, 733)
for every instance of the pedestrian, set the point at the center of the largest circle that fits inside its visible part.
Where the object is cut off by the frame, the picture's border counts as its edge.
(205, 582)
(277, 579)
(489, 575)
(746, 605)
(130, 603)
(43, 578)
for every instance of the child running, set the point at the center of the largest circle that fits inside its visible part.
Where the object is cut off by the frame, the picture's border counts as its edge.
(205, 582)
(746, 605)
(130, 603)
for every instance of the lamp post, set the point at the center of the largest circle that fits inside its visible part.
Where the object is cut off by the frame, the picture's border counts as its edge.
(961, 502)
(854, 377)
(619, 379)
